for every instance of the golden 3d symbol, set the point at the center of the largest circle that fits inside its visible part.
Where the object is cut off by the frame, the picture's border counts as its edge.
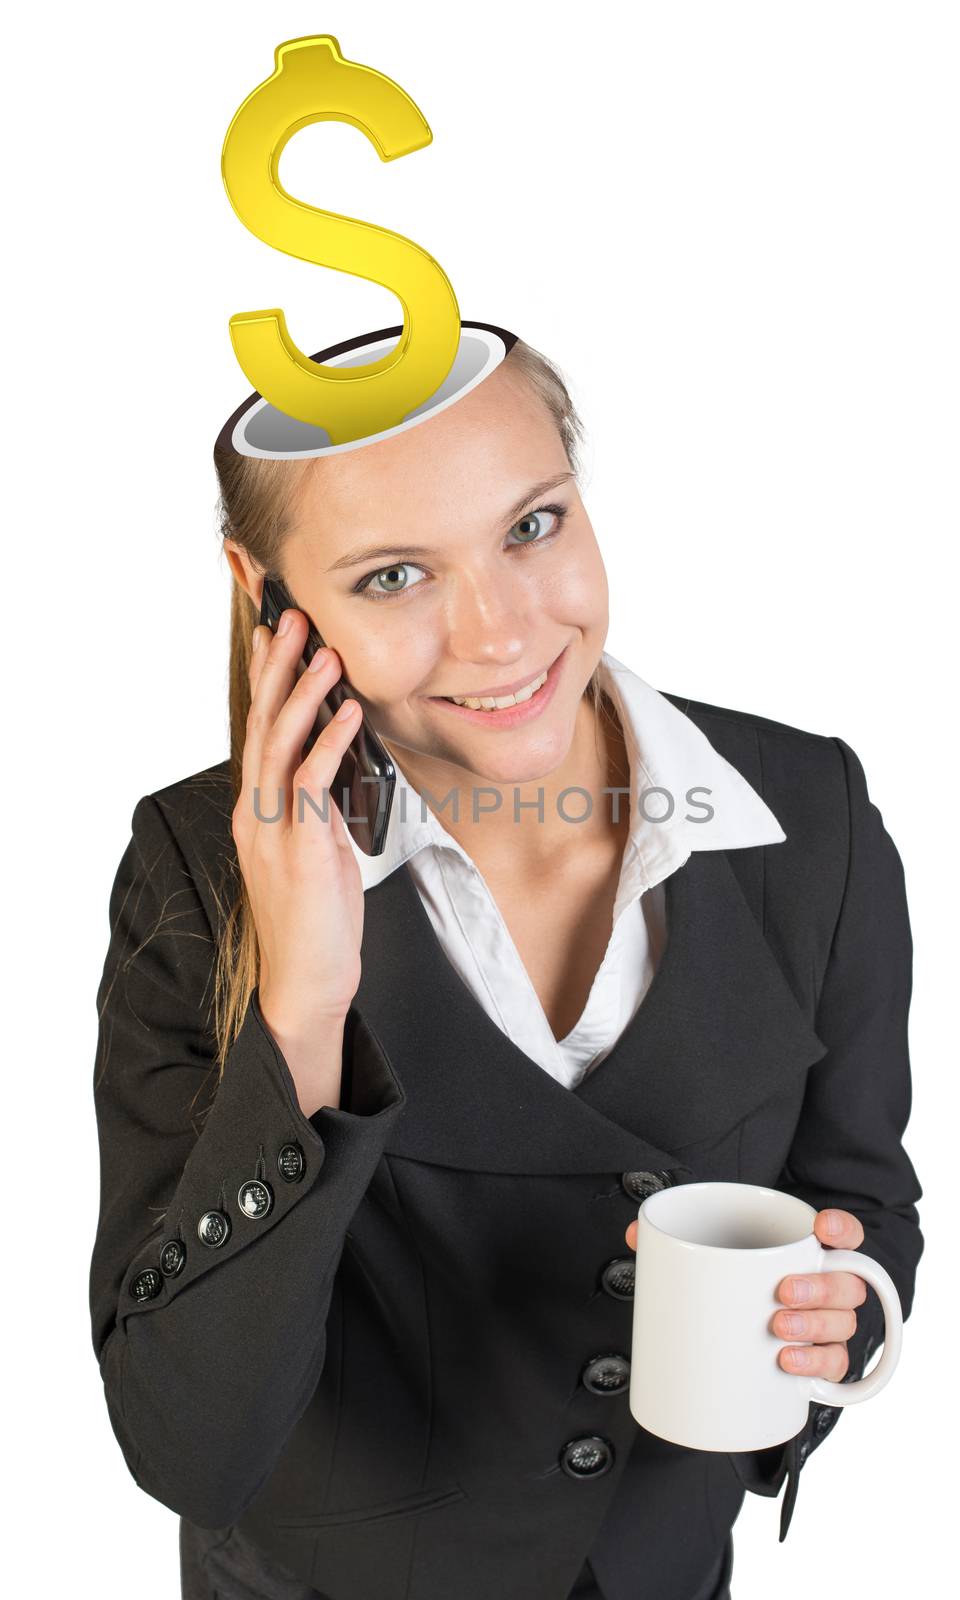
(312, 82)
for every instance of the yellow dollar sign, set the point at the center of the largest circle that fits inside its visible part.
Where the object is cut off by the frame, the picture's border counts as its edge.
(312, 82)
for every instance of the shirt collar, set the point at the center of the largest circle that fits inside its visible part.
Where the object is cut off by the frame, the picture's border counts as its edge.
(669, 757)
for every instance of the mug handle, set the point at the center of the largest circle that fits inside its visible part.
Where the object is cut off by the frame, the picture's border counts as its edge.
(824, 1390)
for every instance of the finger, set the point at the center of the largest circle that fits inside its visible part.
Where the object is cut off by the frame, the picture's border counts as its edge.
(283, 761)
(820, 1326)
(849, 1234)
(826, 1289)
(259, 642)
(631, 1235)
(298, 712)
(275, 678)
(318, 772)
(816, 1360)
(259, 650)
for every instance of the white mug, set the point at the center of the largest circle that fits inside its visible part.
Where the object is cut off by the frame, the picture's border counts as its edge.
(704, 1371)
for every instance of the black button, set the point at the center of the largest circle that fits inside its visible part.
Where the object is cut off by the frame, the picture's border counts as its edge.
(619, 1276)
(826, 1416)
(172, 1257)
(147, 1284)
(589, 1457)
(213, 1229)
(290, 1163)
(255, 1199)
(607, 1374)
(638, 1185)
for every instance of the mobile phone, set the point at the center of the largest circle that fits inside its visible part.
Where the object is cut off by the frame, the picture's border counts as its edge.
(366, 778)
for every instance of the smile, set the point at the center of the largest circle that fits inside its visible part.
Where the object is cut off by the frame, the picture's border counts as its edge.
(508, 710)
(497, 704)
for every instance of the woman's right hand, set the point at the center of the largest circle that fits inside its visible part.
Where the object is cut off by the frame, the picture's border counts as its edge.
(301, 876)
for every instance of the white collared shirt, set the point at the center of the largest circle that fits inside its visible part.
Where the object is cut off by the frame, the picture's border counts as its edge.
(666, 751)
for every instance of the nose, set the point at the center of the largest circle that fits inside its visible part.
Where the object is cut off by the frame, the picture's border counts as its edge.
(488, 619)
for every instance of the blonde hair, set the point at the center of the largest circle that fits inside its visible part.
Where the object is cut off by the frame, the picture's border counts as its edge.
(256, 499)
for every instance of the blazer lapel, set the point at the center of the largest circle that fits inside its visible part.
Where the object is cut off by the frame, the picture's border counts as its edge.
(717, 1033)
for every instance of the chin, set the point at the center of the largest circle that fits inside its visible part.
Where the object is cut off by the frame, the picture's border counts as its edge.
(532, 757)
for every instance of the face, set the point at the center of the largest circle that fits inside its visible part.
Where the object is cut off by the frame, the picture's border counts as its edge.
(473, 581)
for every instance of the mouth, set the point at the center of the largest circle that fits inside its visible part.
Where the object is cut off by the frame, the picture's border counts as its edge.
(508, 711)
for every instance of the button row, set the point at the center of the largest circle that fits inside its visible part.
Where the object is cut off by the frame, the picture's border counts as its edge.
(254, 1200)
(592, 1455)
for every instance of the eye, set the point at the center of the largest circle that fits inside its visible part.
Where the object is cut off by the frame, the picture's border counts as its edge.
(395, 574)
(395, 579)
(556, 512)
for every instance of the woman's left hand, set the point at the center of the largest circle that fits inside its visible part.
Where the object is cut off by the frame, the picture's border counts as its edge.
(825, 1312)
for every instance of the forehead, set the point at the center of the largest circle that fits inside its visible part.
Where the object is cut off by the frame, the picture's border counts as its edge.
(484, 451)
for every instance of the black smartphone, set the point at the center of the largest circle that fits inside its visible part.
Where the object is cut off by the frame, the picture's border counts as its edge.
(364, 785)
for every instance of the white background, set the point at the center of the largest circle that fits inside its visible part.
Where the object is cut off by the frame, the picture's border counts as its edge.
(734, 226)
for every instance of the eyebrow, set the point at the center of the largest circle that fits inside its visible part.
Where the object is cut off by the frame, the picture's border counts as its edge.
(371, 552)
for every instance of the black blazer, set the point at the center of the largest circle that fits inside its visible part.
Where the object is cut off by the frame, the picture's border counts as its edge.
(360, 1337)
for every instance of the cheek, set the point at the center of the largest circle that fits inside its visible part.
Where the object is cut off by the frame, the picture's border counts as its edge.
(576, 590)
(384, 663)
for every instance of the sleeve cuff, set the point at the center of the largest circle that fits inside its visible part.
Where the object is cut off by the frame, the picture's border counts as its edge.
(255, 1135)
(764, 1471)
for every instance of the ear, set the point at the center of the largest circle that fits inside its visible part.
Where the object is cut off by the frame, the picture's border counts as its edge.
(248, 575)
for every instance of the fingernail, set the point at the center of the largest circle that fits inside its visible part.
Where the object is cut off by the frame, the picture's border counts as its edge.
(834, 1223)
(347, 710)
(319, 660)
(801, 1289)
(799, 1357)
(794, 1326)
(285, 622)
(257, 638)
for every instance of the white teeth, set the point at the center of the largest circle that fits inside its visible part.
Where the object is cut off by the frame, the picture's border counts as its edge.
(504, 700)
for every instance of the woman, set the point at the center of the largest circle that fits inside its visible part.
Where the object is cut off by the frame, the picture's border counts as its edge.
(374, 1129)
